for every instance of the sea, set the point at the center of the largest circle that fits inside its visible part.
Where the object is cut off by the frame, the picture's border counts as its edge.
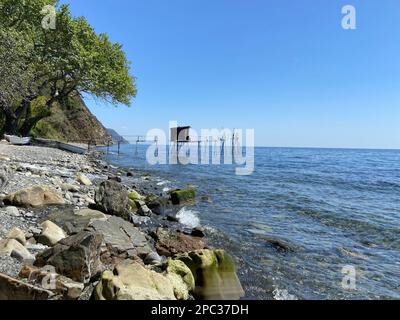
(306, 224)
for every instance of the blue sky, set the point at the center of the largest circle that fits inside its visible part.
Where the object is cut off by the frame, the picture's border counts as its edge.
(285, 68)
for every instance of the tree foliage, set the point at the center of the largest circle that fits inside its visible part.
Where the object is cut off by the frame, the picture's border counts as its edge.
(54, 63)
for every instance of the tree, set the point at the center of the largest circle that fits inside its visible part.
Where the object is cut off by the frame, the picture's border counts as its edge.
(71, 58)
(16, 74)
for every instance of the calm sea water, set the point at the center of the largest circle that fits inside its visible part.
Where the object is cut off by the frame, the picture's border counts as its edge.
(329, 208)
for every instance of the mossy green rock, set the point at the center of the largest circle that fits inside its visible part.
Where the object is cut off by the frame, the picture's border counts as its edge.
(214, 273)
(182, 196)
(133, 195)
(132, 206)
(131, 281)
(181, 278)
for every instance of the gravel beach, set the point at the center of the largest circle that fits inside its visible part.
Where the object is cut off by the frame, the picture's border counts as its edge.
(83, 218)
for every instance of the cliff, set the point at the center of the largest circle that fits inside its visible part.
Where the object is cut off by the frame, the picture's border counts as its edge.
(72, 122)
(116, 137)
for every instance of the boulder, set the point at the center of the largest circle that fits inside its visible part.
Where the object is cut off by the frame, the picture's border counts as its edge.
(182, 196)
(198, 232)
(112, 198)
(214, 274)
(51, 234)
(157, 205)
(169, 242)
(34, 197)
(181, 278)
(142, 208)
(121, 236)
(13, 248)
(74, 221)
(134, 195)
(76, 257)
(13, 289)
(131, 281)
(82, 179)
(69, 289)
(17, 234)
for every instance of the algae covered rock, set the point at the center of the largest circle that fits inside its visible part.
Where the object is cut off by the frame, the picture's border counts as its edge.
(181, 278)
(182, 196)
(131, 281)
(214, 273)
(134, 195)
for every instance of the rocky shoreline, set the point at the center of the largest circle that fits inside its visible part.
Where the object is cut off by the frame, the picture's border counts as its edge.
(74, 227)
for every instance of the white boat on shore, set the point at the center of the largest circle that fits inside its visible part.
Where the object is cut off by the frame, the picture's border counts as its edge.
(17, 140)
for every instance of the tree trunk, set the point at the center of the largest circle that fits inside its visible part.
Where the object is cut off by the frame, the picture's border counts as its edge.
(29, 124)
(30, 121)
(11, 125)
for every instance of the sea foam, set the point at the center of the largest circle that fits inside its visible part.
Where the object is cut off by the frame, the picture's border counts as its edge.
(188, 217)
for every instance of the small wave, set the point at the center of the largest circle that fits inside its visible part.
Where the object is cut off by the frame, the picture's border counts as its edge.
(282, 294)
(161, 183)
(188, 217)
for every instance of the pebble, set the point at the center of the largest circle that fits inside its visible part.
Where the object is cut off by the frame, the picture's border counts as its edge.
(13, 211)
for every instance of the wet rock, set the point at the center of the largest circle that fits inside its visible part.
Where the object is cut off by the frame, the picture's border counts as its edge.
(349, 253)
(206, 198)
(182, 196)
(169, 242)
(172, 217)
(279, 245)
(214, 274)
(122, 236)
(13, 289)
(76, 257)
(51, 234)
(82, 179)
(131, 281)
(34, 197)
(198, 232)
(12, 248)
(158, 206)
(17, 234)
(112, 198)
